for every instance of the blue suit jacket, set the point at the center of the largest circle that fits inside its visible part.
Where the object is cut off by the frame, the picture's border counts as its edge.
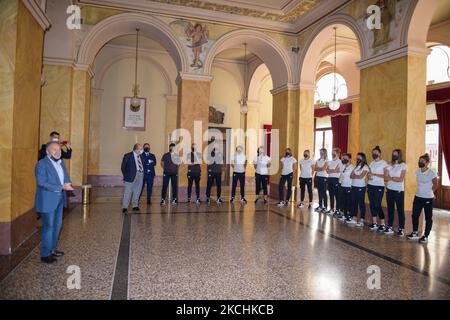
(128, 167)
(48, 186)
(149, 167)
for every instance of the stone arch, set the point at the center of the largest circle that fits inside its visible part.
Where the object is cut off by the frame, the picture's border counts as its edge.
(125, 24)
(310, 56)
(265, 47)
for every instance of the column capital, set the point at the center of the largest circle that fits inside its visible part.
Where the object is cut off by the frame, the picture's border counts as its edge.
(84, 67)
(394, 54)
(285, 87)
(193, 77)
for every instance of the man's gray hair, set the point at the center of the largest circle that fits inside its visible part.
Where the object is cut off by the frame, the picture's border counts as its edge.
(50, 143)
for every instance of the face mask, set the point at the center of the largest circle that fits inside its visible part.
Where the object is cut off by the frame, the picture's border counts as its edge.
(55, 139)
(394, 157)
(306, 155)
(192, 149)
(359, 160)
(345, 161)
(334, 155)
(421, 165)
(147, 149)
(56, 157)
(374, 156)
(287, 154)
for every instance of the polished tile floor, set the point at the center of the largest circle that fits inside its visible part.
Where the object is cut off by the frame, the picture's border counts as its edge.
(230, 252)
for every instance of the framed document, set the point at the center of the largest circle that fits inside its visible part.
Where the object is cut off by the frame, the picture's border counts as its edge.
(134, 119)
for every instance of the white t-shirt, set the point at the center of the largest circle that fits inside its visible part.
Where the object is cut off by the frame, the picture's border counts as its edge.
(377, 167)
(358, 171)
(321, 163)
(261, 164)
(288, 165)
(333, 165)
(395, 171)
(425, 183)
(306, 168)
(345, 179)
(239, 162)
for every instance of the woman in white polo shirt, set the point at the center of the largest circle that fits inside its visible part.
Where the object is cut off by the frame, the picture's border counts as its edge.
(239, 163)
(375, 190)
(358, 176)
(334, 171)
(395, 174)
(262, 164)
(321, 177)
(287, 174)
(345, 189)
(306, 166)
(426, 187)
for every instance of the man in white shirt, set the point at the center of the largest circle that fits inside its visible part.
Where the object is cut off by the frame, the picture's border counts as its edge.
(287, 174)
(239, 163)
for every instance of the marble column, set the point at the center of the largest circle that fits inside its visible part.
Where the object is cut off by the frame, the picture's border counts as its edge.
(193, 105)
(20, 77)
(94, 132)
(354, 129)
(293, 116)
(393, 113)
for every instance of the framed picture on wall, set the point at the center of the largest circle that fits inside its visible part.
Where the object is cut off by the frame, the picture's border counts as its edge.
(134, 119)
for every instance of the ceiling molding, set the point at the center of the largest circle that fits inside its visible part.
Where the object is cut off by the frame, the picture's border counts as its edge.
(170, 10)
(38, 13)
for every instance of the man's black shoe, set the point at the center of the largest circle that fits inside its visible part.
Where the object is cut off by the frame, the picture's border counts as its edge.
(49, 259)
(136, 209)
(125, 210)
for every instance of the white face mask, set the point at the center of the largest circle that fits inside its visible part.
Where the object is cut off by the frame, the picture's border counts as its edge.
(55, 139)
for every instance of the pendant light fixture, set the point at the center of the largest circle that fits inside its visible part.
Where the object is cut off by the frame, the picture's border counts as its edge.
(135, 101)
(243, 102)
(334, 104)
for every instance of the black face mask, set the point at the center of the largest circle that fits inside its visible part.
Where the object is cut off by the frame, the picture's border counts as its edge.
(345, 161)
(54, 159)
(421, 165)
(334, 155)
(394, 158)
(374, 156)
(146, 149)
(359, 161)
(306, 155)
(287, 154)
(192, 149)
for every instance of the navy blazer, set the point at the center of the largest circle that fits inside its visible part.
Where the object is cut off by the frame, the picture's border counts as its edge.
(149, 163)
(48, 186)
(128, 166)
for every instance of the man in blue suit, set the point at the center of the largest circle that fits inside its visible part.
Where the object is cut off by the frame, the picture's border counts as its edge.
(52, 183)
(149, 161)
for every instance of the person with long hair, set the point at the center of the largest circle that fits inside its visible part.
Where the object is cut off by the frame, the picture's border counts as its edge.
(345, 189)
(394, 175)
(262, 164)
(306, 166)
(427, 185)
(358, 176)
(375, 190)
(334, 171)
(321, 177)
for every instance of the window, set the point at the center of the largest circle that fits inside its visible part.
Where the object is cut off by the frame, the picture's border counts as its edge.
(433, 149)
(438, 64)
(325, 85)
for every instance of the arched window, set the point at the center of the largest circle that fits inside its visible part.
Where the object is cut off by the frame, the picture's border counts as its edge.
(325, 85)
(438, 64)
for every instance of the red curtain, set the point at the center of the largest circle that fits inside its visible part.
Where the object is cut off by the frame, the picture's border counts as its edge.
(339, 125)
(268, 128)
(443, 115)
(344, 109)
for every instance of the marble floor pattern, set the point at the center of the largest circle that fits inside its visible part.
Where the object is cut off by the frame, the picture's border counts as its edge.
(231, 252)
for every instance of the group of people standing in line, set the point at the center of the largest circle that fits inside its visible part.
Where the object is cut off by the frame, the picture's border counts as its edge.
(345, 183)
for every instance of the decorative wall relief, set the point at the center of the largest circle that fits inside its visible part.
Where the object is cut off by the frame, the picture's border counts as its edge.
(216, 116)
(196, 41)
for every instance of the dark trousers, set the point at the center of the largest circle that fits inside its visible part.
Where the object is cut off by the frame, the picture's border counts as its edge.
(283, 179)
(148, 180)
(427, 206)
(321, 184)
(396, 199)
(238, 176)
(173, 178)
(375, 194)
(345, 195)
(358, 196)
(217, 177)
(193, 177)
(306, 182)
(261, 183)
(333, 185)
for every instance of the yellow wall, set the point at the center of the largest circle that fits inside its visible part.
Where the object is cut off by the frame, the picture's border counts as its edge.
(21, 57)
(392, 112)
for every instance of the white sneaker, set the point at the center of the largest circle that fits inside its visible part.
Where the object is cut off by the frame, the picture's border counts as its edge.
(413, 236)
(280, 204)
(351, 222)
(360, 223)
(301, 205)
